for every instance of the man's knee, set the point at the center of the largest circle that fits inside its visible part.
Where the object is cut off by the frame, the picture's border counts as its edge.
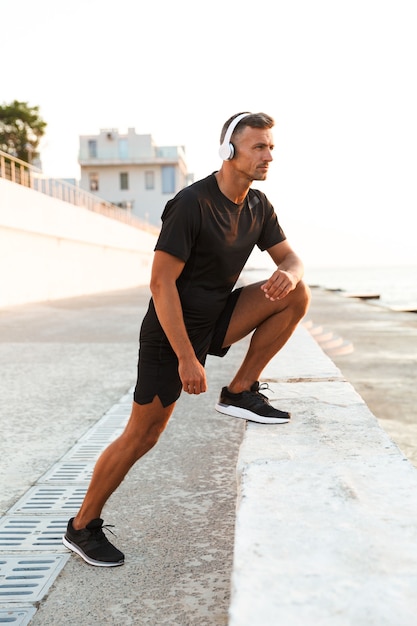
(302, 297)
(146, 424)
(136, 443)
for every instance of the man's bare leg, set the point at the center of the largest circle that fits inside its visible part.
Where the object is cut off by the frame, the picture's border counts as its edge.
(142, 431)
(274, 323)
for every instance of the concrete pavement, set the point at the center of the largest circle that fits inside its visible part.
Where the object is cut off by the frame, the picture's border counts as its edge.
(382, 361)
(332, 479)
(64, 365)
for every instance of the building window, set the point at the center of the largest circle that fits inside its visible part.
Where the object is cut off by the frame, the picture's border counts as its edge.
(149, 180)
(124, 180)
(92, 148)
(168, 179)
(123, 149)
(93, 181)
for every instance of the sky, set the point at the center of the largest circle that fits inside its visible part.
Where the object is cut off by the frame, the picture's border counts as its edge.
(338, 77)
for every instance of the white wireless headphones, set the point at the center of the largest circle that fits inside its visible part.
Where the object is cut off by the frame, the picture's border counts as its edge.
(227, 149)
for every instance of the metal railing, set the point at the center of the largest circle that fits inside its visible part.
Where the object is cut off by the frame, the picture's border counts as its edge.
(20, 172)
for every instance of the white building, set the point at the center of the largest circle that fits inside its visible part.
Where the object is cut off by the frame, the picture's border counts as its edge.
(129, 170)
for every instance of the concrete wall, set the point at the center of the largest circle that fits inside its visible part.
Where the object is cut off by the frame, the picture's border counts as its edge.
(50, 249)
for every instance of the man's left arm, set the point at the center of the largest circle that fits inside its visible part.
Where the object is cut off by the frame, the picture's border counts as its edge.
(289, 272)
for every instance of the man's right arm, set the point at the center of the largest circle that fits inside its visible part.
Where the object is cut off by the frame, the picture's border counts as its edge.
(166, 269)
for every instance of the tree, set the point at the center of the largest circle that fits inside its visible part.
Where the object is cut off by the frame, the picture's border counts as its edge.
(21, 129)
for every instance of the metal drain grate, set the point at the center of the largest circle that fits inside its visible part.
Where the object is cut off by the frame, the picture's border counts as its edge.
(119, 410)
(34, 526)
(107, 424)
(101, 435)
(20, 616)
(91, 445)
(27, 579)
(50, 499)
(96, 440)
(32, 533)
(122, 407)
(84, 452)
(68, 473)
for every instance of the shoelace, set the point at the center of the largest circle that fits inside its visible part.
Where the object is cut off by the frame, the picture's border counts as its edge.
(264, 387)
(107, 527)
(101, 528)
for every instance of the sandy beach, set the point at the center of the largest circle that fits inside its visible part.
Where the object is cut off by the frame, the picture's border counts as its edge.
(376, 350)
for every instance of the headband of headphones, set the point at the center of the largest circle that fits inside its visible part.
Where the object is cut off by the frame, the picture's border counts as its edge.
(227, 150)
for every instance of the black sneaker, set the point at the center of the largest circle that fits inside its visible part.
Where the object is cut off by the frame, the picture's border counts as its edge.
(92, 544)
(251, 405)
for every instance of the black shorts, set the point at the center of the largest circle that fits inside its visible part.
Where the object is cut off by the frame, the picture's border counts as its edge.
(158, 363)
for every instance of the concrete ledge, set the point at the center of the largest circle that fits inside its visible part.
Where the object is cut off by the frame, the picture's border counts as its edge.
(326, 525)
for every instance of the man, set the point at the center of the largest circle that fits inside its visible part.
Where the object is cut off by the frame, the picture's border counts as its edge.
(208, 232)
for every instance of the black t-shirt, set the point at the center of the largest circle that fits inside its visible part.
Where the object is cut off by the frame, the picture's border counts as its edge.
(214, 237)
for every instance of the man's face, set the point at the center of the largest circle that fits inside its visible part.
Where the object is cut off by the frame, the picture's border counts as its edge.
(253, 153)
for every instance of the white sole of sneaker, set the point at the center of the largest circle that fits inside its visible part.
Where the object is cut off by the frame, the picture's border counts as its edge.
(77, 550)
(235, 411)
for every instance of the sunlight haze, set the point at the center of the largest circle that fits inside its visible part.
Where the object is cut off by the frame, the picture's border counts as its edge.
(338, 78)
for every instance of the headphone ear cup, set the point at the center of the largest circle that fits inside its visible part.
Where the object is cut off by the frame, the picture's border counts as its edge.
(226, 151)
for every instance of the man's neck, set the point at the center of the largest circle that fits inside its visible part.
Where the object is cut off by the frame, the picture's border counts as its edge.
(235, 190)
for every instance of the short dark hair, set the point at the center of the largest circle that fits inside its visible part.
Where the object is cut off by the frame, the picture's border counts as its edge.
(254, 120)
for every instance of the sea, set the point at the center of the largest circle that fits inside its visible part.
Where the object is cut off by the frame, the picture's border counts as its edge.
(392, 287)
